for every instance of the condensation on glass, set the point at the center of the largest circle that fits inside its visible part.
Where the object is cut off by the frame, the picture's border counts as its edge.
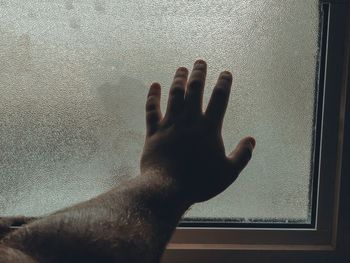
(73, 80)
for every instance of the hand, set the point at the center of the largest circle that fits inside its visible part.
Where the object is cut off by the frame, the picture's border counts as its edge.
(186, 145)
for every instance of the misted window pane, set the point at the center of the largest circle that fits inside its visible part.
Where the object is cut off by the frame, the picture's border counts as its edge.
(74, 76)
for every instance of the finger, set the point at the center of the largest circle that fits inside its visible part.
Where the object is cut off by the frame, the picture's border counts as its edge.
(217, 105)
(176, 95)
(241, 155)
(194, 89)
(153, 113)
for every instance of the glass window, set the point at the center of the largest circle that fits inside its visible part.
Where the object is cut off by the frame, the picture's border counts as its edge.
(73, 81)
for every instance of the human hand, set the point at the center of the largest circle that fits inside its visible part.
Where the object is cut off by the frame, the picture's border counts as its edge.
(186, 145)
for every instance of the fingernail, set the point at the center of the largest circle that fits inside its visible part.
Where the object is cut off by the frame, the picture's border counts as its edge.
(226, 72)
(226, 75)
(199, 61)
(252, 141)
(182, 69)
(155, 85)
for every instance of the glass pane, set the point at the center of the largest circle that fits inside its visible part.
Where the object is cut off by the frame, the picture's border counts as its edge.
(74, 76)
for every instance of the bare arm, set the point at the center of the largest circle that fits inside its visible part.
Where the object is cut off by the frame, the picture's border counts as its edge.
(183, 162)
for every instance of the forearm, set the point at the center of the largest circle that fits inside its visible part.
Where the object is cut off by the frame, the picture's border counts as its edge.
(131, 223)
(9, 224)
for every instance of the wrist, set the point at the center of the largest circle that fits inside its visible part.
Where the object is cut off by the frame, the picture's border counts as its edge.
(161, 193)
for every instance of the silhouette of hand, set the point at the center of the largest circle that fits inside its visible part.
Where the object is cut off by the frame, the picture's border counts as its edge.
(186, 145)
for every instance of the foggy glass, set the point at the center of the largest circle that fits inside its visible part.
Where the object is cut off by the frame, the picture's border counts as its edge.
(73, 81)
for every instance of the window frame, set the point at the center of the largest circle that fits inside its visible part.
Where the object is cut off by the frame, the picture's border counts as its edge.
(327, 240)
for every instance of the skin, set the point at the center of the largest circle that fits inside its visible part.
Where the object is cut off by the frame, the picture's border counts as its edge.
(7, 224)
(183, 162)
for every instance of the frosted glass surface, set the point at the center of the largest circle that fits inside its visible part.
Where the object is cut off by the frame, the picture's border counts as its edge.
(73, 81)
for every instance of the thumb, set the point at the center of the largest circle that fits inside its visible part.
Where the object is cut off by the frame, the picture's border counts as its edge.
(241, 155)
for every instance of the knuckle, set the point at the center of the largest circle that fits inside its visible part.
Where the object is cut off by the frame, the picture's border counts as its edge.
(179, 81)
(247, 154)
(151, 103)
(196, 83)
(150, 106)
(177, 90)
(152, 116)
(221, 92)
(180, 75)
